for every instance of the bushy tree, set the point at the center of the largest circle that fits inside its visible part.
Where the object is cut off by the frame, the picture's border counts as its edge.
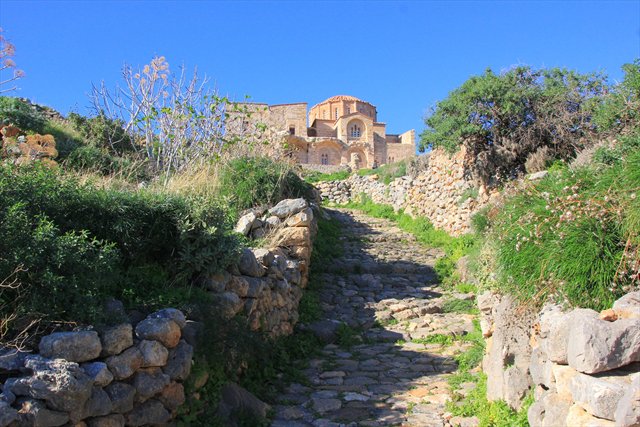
(619, 109)
(503, 119)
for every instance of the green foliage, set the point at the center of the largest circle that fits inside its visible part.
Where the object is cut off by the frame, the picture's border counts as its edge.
(441, 339)
(490, 414)
(346, 336)
(574, 233)
(469, 193)
(102, 133)
(81, 244)
(387, 172)
(19, 113)
(89, 158)
(459, 306)
(503, 119)
(480, 221)
(250, 181)
(619, 109)
(315, 176)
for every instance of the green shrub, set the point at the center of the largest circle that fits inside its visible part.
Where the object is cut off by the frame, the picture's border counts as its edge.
(140, 247)
(250, 181)
(574, 234)
(387, 172)
(88, 158)
(314, 176)
(103, 133)
(61, 275)
(19, 113)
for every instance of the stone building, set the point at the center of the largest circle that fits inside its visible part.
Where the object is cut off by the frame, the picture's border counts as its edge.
(342, 130)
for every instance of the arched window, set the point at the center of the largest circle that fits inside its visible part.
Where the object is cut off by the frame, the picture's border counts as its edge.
(324, 159)
(355, 131)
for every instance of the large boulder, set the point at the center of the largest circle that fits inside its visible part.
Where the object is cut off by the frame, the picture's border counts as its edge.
(71, 346)
(300, 219)
(164, 330)
(595, 345)
(288, 207)
(172, 396)
(63, 385)
(171, 314)
(98, 404)
(628, 307)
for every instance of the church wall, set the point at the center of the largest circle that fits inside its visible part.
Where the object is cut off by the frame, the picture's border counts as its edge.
(289, 115)
(398, 152)
(324, 128)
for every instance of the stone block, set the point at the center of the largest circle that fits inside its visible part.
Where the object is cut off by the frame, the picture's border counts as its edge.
(72, 346)
(149, 382)
(288, 207)
(596, 345)
(249, 265)
(153, 353)
(179, 362)
(597, 396)
(245, 223)
(627, 412)
(171, 314)
(151, 412)
(126, 363)
(99, 373)
(166, 331)
(64, 386)
(578, 417)
(122, 396)
(116, 339)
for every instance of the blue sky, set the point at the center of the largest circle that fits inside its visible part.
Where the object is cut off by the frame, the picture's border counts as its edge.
(400, 56)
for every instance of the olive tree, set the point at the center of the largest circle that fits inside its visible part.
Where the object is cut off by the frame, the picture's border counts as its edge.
(516, 120)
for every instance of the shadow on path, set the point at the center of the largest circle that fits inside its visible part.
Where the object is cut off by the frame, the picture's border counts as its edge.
(385, 289)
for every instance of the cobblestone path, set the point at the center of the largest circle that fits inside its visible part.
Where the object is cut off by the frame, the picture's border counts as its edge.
(385, 288)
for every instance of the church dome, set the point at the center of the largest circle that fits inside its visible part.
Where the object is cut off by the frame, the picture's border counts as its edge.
(342, 98)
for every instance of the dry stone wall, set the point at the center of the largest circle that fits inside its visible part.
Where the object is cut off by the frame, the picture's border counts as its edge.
(441, 192)
(583, 366)
(266, 285)
(128, 374)
(132, 374)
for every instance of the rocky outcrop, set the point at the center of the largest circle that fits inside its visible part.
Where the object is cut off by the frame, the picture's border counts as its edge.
(583, 366)
(128, 385)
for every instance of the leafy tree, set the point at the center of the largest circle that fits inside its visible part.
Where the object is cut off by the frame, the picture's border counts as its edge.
(503, 119)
